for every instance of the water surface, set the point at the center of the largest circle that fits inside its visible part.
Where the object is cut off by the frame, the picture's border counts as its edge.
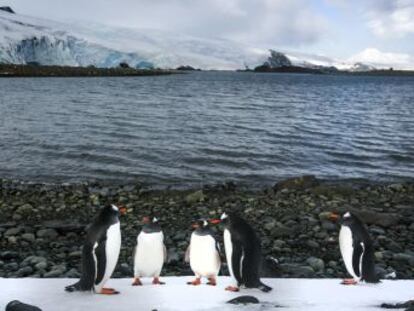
(207, 127)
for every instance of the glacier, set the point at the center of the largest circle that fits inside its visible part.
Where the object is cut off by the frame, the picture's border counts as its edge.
(25, 39)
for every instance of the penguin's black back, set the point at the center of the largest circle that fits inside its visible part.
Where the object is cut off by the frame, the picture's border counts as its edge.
(243, 234)
(96, 233)
(360, 235)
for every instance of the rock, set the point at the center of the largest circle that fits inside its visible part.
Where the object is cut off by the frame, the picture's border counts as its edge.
(312, 244)
(380, 219)
(75, 254)
(30, 237)
(47, 233)
(404, 258)
(297, 183)
(244, 300)
(16, 305)
(25, 209)
(7, 9)
(12, 231)
(195, 197)
(24, 271)
(317, 264)
(41, 265)
(7, 255)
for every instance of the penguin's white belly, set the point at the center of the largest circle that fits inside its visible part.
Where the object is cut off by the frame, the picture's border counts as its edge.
(228, 246)
(112, 249)
(149, 255)
(347, 249)
(204, 258)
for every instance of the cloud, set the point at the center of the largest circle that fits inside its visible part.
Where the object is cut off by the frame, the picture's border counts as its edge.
(384, 59)
(390, 18)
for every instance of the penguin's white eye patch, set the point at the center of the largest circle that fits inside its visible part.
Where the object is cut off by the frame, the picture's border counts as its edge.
(223, 216)
(154, 219)
(115, 208)
(205, 223)
(347, 215)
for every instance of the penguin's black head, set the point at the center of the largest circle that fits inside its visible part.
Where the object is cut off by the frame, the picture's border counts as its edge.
(348, 219)
(146, 220)
(225, 218)
(199, 224)
(113, 210)
(150, 224)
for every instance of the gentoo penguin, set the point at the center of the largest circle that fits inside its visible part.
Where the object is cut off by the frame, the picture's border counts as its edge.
(100, 252)
(356, 249)
(243, 253)
(150, 252)
(203, 253)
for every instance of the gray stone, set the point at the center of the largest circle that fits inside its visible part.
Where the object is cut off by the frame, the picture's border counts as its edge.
(24, 271)
(41, 265)
(30, 237)
(312, 244)
(47, 233)
(243, 300)
(12, 231)
(317, 264)
(195, 197)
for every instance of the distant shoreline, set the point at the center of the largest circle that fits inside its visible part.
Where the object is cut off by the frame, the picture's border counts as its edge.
(13, 71)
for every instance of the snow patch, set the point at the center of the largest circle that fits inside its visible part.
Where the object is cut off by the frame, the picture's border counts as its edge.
(292, 294)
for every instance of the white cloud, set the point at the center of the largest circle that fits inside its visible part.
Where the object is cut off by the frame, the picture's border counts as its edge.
(393, 18)
(383, 59)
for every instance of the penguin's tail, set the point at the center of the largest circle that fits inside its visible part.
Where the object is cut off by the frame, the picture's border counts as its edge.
(264, 288)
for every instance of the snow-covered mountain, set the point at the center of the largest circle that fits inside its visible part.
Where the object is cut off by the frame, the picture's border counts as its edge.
(25, 39)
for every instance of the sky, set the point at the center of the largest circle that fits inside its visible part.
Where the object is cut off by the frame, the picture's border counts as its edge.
(348, 29)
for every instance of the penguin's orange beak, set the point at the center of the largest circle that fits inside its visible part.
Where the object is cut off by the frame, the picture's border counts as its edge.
(122, 210)
(214, 221)
(195, 225)
(334, 217)
(146, 220)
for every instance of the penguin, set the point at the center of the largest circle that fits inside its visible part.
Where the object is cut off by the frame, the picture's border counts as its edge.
(150, 253)
(203, 253)
(356, 249)
(243, 253)
(100, 252)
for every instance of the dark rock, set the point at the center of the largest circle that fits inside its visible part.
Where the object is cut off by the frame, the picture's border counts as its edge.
(16, 305)
(380, 219)
(408, 305)
(7, 9)
(47, 233)
(24, 271)
(244, 300)
(7, 255)
(297, 183)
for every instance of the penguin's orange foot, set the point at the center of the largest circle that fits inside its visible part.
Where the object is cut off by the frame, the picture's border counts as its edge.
(212, 281)
(108, 291)
(349, 282)
(156, 281)
(196, 282)
(232, 288)
(137, 282)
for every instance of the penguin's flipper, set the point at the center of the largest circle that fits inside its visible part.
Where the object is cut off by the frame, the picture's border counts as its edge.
(100, 254)
(236, 261)
(165, 252)
(369, 274)
(187, 254)
(357, 258)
